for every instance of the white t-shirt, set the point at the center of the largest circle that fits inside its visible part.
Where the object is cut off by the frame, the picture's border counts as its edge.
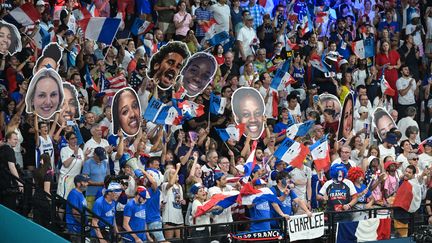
(339, 161)
(203, 219)
(269, 104)
(406, 122)
(65, 183)
(408, 98)
(424, 160)
(300, 179)
(92, 144)
(172, 213)
(45, 146)
(222, 15)
(384, 152)
(246, 35)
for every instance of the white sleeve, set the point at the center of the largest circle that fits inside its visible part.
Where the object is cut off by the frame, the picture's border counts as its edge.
(351, 186)
(64, 155)
(323, 190)
(399, 84)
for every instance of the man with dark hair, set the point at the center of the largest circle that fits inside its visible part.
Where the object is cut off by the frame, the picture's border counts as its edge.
(408, 90)
(166, 64)
(76, 199)
(9, 185)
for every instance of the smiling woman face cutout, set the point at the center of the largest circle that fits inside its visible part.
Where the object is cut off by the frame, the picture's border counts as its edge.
(126, 112)
(198, 73)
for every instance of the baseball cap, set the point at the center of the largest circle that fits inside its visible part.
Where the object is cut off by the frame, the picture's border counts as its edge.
(69, 32)
(81, 178)
(391, 138)
(388, 163)
(100, 152)
(195, 188)
(363, 109)
(218, 175)
(40, 3)
(249, 17)
(143, 192)
(428, 143)
(415, 15)
(114, 187)
(313, 86)
(259, 182)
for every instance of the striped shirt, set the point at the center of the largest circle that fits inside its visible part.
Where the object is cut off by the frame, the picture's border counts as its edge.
(257, 12)
(204, 15)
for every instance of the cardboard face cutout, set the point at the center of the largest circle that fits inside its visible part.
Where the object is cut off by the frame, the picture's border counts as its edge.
(346, 122)
(198, 73)
(331, 103)
(126, 112)
(10, 39)
(71, 109)
(45, 93)
(166, 64)
(249, 108)
(51, 56)
(383, 122)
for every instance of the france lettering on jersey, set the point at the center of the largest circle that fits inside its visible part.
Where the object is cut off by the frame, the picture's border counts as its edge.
(45, 147)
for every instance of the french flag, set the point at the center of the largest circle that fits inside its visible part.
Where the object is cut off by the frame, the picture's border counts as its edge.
(217, 104)
(231, 132)
(250, 162)
(292, 152)
(408, 196)
(282, 77)
(81, 13)
(299, 130)
(362, 231)
(223, 200)
(321, 17)
(42, 38)
(306, 25)
(89, 80)
(100, 29)
(191, 109)
(257, 196)
(140, 27)
(385, 87)
(23, 15)
(316, 62)
(160, 113)
(207, 26)
(363, 48)
(180, 94)
(320, 152)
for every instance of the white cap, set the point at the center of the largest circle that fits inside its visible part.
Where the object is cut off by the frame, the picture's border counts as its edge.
(415, 15)
(40, 3)
(363, 109)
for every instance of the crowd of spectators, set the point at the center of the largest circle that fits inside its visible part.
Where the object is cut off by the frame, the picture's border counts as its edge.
(179, 172)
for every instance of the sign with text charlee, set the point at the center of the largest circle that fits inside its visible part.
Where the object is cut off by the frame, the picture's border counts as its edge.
(301, 227)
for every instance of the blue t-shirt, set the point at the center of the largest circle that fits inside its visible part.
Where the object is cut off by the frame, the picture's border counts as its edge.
(260, 210)
(137, 214)
(280, 126)
(104, 210)
(96, 173)
(362, 199)
(78, 200)
(153, 206)
(286, 205)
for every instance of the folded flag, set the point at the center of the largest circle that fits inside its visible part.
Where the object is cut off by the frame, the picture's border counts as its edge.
(100, 29)
(141, 26)
(292, 152)
(385, 87)
(160, 113)
(408, 196)
(223, 200)
(282, 77)
(365, 230)
(231, 132)
(363, 48)
(113, 84)
(81, 13)
(306, 25)
(89, 80)
(23, 15)
(320, 152)
(217, 104)
(180, 94)
(190, 109)
(206, 26)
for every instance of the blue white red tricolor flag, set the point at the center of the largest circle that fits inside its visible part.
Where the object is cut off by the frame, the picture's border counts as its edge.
(217, 104)
(292, 152)
(100, 29)
(141, 26)
(363, 231)
(223, 200)
(250, 162)
(89, 80)
(180, 94)
(363, 48)
(316, 62)
(385, 87)
(408, 196)
(320, 152)
(231, 132)
(282, 77)
(24, 15)
(160, 113)
(299, 130)
(190, 109)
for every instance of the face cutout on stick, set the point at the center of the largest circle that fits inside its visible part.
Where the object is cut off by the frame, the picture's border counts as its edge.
(10, 39)
(126, 112)
(249, 108)
(51, 56)
(346, 123)
(71, 109)
(166, 64)
(198, 73)
(383, 122)
(45, 93)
